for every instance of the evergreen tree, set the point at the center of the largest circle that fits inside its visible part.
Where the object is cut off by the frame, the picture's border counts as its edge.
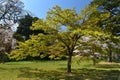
(23, 31)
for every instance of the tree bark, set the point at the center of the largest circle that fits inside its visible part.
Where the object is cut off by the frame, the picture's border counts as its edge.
(110, 53)
(110, 56)
(69, 63)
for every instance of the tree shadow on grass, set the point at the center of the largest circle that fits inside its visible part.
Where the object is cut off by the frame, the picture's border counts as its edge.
(39, 74)
(93, 74)
(106, 66)
(79, 74)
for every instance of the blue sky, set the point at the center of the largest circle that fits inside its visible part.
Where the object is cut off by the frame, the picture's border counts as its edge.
(39, 8)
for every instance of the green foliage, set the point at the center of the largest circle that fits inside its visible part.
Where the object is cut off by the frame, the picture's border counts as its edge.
(111, 23)
(3, 57)
(23, 31)
(57, 51)
(37, 46)
(33, 47)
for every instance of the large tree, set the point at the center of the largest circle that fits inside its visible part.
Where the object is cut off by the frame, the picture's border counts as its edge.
(64, 29)
(68, 27)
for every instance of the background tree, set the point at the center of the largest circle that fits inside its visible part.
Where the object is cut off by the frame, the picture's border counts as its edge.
(33, 47)
(113, 7)
(112, 45)
(10, 11)
(38, 47)
(6, 43)
(23, 30)
(112, 23)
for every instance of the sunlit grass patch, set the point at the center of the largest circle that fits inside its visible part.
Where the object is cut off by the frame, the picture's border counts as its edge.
(56, 70)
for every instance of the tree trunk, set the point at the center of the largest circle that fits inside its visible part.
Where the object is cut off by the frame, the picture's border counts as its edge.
(110, 52)
(94, 61)
(69, 63)
(110, 56)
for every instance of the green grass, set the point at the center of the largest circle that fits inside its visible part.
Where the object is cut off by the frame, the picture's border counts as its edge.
(56, 70)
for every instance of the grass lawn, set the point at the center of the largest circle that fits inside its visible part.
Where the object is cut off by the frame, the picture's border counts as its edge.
(55, 70)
